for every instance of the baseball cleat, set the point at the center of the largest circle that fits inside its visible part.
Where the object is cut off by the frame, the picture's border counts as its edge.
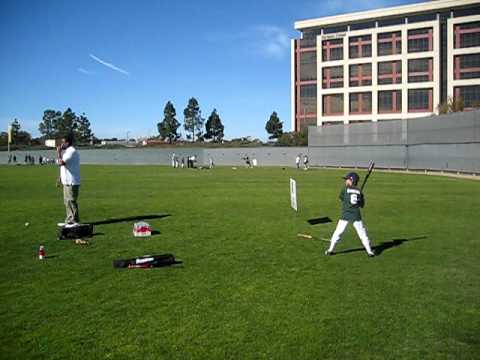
(372, 254)
(328, 253)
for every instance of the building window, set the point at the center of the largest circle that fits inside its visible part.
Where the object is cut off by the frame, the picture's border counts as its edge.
(360, 103)
(332, 50)
(420, 70)
(304, 122)
(467, 66)
(308, 65)
(389, 101)
(360, 46)
(361, 75)
(308, 100)
(469, 94)
(420, 100)
(332, 77)
(389, 72)
(389, 43)
(333, 104)
(309, 38)
(420, 40)
(467, 35)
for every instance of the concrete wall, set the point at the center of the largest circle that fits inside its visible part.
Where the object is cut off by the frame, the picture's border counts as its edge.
(446, 142)
(450, 142)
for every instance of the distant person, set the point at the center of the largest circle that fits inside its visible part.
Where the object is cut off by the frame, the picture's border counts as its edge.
(14, 158)
(9, 158)
(210, 162)
(173, 160)
(68, 159)
(183, 162)
(305, 162)
(297, 161)
(254, 162)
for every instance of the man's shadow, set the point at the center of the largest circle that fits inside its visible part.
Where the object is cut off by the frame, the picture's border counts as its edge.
(131, 218)
(385, 245)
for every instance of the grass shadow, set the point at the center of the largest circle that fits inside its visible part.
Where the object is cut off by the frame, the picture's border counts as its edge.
(130, 218)
(385, 245)
(320, 220)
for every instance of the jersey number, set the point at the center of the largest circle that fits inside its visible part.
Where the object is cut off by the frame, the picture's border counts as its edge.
(353, 199)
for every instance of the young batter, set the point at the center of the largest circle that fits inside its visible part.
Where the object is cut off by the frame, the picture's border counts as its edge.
(352, 200)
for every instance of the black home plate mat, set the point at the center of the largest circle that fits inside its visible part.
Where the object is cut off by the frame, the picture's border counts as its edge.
(320, 220)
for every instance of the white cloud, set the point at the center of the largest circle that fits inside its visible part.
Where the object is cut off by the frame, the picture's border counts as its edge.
(266, 40)
(86, 72)
(338, 7)
(272, 41)
(109, 65)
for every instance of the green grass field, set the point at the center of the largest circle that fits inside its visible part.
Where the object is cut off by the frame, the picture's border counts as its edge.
(249, 288)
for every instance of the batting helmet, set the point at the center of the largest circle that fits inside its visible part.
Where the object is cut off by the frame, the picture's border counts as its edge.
(352, 176)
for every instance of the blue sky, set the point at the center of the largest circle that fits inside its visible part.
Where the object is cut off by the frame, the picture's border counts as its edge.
(120, 61)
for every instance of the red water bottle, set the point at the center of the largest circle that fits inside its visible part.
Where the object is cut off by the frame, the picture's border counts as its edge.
(41, 252)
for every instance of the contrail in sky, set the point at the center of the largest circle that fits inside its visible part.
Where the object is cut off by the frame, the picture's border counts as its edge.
(111, 66)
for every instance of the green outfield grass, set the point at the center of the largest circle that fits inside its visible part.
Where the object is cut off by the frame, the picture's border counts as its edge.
(249, 288)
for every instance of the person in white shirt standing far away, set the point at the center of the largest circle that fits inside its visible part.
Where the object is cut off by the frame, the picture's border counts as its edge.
(68, 159)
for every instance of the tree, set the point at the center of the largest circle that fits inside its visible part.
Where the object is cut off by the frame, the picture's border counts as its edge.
(83, 132)
(18, 136)
(193, 120)
(56, 124)
(3, 138)
(15, 129)
(294, 138)
(46, 127)
(66, 124)
(451, 105)
(274, 126)
(168, 127)
(214, 127)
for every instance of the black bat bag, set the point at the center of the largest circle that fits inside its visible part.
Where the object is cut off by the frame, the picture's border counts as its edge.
(147, 261)
(75, 232)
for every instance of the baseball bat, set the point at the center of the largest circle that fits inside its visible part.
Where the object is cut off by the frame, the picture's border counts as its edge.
(370, 169)
(307, 236)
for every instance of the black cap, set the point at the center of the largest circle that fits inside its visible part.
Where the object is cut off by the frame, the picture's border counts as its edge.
(352, 176)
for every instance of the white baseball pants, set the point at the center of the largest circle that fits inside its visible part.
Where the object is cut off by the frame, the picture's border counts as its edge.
(361, 232)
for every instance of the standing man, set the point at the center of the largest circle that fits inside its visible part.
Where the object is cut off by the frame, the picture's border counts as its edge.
(352, 200)
(68, 159)
(297, 161)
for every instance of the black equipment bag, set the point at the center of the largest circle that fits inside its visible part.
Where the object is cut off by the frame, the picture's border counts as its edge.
(75, 232)
(147, 261)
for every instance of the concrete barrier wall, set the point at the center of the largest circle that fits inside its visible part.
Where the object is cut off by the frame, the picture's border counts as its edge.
(450, 142)
(447, 142)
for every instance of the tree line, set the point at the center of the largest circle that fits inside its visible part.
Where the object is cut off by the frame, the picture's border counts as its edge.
(56, 124)
(193, 124)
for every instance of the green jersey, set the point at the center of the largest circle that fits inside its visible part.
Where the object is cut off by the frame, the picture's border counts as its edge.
(352, 201)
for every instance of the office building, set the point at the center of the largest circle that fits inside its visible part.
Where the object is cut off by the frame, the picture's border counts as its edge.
(392, 63)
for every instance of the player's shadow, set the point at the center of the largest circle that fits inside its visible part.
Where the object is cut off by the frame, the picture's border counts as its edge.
(131, 218)
(385, 245)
